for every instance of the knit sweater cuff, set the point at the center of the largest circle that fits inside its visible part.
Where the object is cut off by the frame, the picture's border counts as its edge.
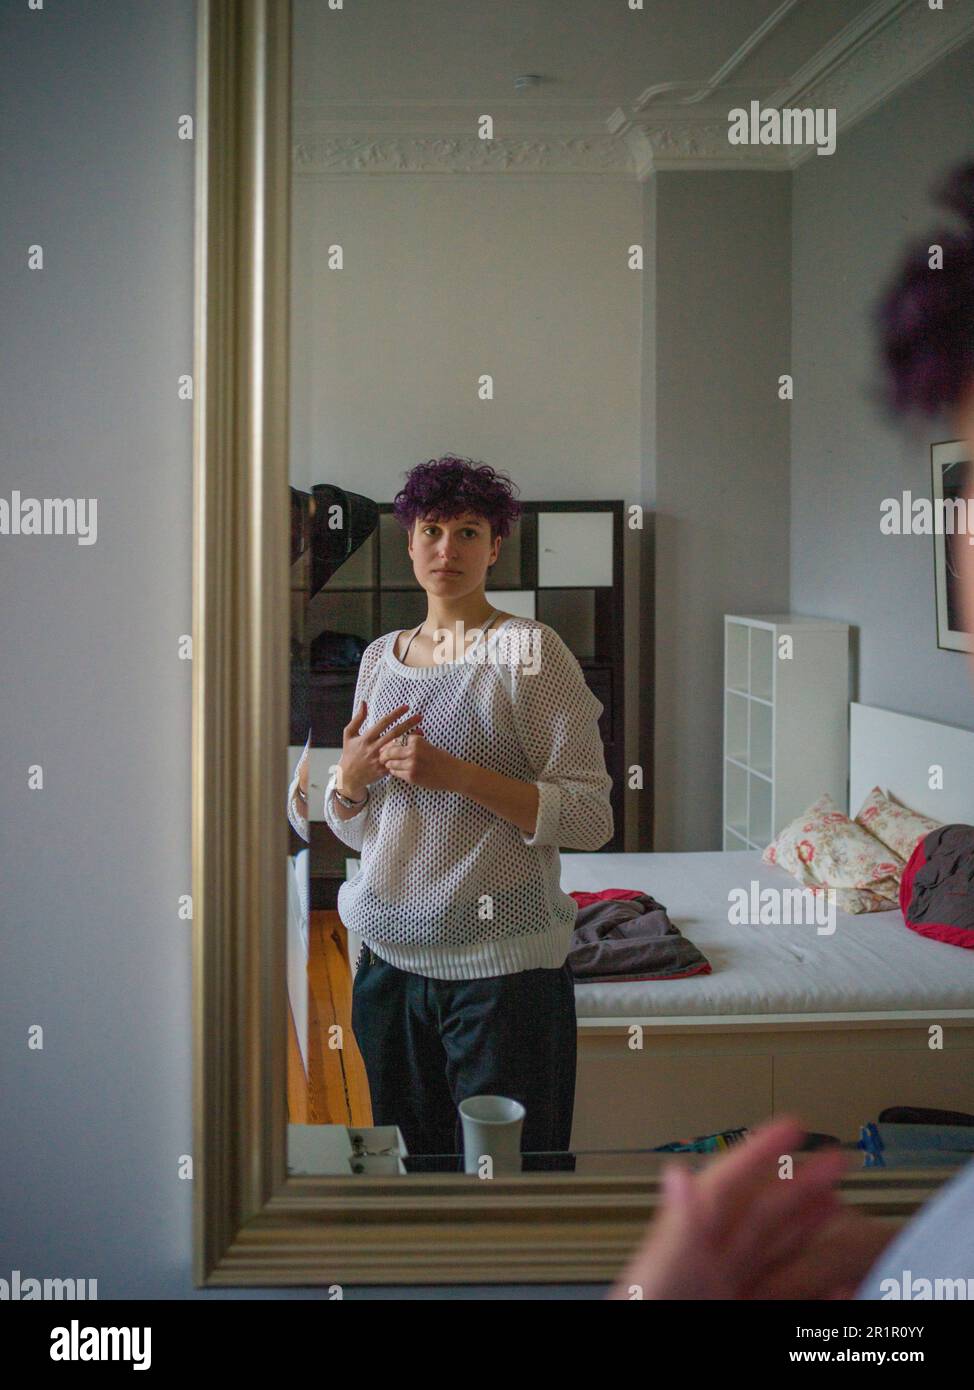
(350, 830)
(299, 821)
(549, 815)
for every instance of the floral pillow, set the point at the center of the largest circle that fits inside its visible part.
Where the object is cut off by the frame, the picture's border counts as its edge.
(825, 849)
(892, 824)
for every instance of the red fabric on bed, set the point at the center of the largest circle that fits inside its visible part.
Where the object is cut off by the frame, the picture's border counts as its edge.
(944, 861)
(633, 940)
(584, 899)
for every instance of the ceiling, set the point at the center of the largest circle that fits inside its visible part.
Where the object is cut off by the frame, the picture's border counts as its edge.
(393, 86)
(596, 51)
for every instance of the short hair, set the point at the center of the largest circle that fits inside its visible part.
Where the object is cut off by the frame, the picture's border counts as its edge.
(450, 486)
(926, 316)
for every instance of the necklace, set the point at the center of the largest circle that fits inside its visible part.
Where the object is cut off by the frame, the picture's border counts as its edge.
(493, 615)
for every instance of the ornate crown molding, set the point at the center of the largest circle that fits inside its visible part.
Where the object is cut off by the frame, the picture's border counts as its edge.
(676, 140)
(349, 154)
(894, 54)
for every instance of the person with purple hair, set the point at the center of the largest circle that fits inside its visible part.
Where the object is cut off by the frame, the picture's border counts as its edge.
(465, 766)
(926, 318)
(736, 1230)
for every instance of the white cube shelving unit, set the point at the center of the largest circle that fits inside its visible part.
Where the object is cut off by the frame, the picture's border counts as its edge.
(786, 721)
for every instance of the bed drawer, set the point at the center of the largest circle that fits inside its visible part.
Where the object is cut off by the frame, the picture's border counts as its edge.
(637, 1100)
(837, 1092)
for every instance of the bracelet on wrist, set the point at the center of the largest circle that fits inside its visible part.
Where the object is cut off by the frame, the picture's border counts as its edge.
(348, 803)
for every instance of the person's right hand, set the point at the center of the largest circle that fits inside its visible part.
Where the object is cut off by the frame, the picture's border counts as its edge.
(738, 1230)
(360, 764)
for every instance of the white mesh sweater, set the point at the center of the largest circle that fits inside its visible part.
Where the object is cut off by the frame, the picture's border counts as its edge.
(447, 888)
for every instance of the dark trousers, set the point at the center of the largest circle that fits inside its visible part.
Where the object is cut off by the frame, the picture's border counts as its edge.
(429, 1044)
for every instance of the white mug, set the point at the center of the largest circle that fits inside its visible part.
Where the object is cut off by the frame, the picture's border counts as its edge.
(492, 1128)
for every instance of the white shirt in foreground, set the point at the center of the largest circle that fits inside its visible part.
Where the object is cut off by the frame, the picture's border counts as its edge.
(932, 1256)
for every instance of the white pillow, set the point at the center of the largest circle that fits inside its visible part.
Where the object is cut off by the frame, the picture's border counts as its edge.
(892, 824)
(824, 849)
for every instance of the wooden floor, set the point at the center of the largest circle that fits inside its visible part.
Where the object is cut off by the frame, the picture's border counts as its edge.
(335, 1090)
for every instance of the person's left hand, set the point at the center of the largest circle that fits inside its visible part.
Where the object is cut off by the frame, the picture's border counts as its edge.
(421, 763)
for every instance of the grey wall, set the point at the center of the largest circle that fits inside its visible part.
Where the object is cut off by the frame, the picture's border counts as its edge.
(720, 449)
(92, 866)
(853, 215)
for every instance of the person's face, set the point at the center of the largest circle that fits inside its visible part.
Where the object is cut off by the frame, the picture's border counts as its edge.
(965, 431)
(461, 544)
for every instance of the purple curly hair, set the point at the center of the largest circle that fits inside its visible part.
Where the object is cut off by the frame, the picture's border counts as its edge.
(926, 317)
(450, 486)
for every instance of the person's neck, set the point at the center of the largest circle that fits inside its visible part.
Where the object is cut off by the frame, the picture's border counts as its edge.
(472, 611)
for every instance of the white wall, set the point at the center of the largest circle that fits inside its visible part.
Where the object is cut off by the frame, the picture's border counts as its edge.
(448, 277)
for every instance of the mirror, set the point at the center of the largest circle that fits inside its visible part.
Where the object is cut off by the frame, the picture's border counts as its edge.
(582, 462)
(473, 256)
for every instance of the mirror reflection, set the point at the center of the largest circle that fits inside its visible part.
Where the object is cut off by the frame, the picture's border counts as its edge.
(618, 692)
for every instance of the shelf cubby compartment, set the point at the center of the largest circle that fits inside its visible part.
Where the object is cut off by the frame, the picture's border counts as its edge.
(575, 549)
(403, 608)
(735, 799)
(736, 656)
(349, 612)
(762, 663)
(761, 740)
(395, 567)
(507, 572)
(572, 613)
(735, 726)
(759, 810)
(356, 572)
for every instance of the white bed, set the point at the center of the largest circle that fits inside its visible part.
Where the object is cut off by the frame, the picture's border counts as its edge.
(832, 1027)
(871, 963)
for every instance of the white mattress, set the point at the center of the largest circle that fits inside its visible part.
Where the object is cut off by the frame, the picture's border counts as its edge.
(873, 963)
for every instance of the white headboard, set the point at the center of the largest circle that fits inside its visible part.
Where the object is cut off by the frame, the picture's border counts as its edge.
(897, 751)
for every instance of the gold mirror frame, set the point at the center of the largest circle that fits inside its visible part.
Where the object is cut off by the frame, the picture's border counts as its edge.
(253, 1224)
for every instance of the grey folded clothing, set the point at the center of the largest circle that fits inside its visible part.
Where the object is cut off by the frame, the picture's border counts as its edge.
(624, 935)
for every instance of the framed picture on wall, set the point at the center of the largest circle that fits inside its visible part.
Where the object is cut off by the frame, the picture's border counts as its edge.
(950, 465)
